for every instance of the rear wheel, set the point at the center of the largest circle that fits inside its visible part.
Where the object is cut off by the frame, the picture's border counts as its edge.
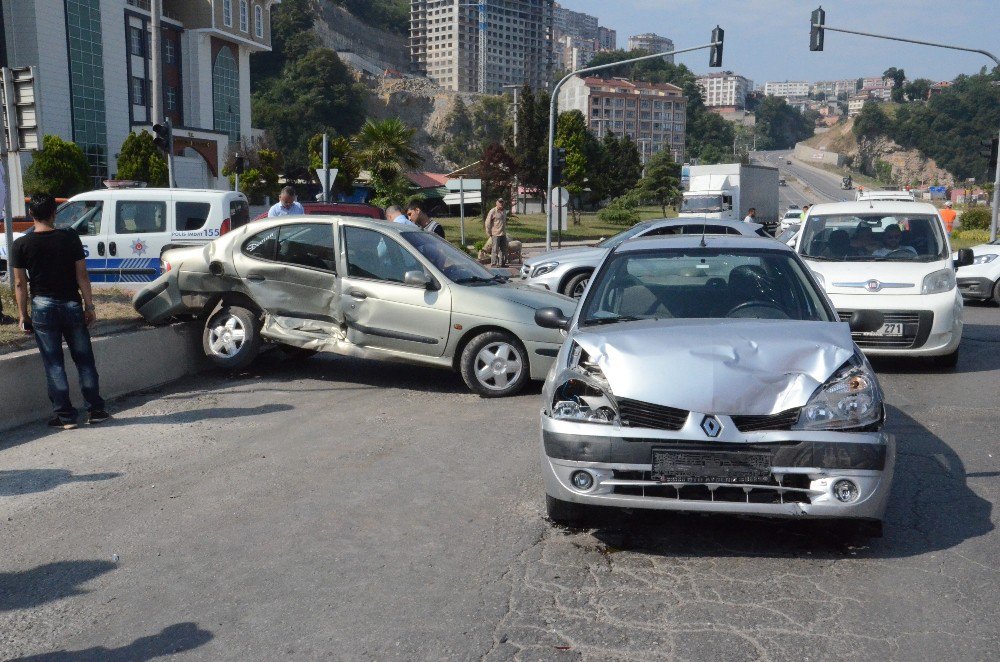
(996, 292)
(231, 338)
(494, 364)
(576, 285)
(572, 515)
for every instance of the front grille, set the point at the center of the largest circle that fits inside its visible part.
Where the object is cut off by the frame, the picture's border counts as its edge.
(781, 421)
(637, 414)
(794, 488)
(916, 327)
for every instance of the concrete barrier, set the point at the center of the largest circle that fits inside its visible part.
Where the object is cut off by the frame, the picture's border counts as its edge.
(126, 362)
(809, 154)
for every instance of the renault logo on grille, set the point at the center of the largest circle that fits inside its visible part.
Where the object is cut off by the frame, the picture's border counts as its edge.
(711, 426)
(874, 285)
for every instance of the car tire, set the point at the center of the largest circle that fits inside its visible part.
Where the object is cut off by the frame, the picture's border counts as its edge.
(231, 338)
(494, 364)
(946, 362)
(576, 285)
(996, 292)
(293, 353)
(572, 515)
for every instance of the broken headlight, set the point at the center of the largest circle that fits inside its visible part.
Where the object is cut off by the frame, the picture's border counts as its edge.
(849, 400)
(583, 393)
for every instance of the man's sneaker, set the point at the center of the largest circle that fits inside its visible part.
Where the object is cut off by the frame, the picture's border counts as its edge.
(98, 416)
(64, 424)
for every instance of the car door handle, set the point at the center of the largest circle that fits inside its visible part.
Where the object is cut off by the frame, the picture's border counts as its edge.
(255, 277)
(100, 248)
(358, 295)
(112, 248)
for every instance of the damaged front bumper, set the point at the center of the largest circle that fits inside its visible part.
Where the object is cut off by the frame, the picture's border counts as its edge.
(805, 467)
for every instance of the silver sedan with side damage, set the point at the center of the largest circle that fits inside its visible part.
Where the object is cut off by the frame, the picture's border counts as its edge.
(568, 270)
(356, 287)
(712, 377)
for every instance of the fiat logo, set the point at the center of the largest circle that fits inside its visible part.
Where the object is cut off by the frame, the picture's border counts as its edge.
(711, 426)
(873, 285)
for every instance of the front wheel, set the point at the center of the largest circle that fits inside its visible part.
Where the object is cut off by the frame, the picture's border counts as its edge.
(996, 292)
(232, 337)
(494, 364)
(576, 285)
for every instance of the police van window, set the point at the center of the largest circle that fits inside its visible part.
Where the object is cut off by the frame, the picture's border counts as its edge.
(140, 216)
(84, 216)
(191, 215)
(262, 244)
(239, 213)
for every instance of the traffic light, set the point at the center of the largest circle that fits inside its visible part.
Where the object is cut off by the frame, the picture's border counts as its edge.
(164, 139)
(715, 55)
(558, 161)
(992, 163)
(816, 29)
(240, 164)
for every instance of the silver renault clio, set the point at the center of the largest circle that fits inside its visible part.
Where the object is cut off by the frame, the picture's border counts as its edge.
(711, 374)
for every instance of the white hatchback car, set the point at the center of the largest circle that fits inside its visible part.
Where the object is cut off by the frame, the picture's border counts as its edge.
(981, 279)
(892, 258)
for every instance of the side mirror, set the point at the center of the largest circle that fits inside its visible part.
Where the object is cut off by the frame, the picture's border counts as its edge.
(418, 278)
(965, 257)
(866, 321)
(552, 318)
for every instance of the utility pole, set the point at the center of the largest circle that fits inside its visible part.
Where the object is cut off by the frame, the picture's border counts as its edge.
(817, 28)
(715, 60)
(156, 87)
(326, 169)
(517, 187)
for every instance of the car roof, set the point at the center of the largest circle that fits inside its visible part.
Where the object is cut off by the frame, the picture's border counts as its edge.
(699, 220)
(158, 193)
(361, 221)
(712, 241)
(866, 207)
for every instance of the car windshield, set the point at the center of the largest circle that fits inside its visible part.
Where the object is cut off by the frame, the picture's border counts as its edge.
(702, 283)
(611, 242)
(453, 263)
(873, 237)
(701, 203)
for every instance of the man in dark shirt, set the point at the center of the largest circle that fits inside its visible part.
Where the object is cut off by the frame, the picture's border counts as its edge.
(53, 263)
(416, 214)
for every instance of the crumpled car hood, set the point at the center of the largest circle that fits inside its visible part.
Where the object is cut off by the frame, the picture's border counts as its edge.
(752, 367)
(574, 254)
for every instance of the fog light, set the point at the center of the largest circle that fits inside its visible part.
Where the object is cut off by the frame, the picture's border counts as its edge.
(582, 480)
(846, 491)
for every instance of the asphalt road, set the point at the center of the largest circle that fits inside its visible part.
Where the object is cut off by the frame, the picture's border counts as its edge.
(344, 509)
(806, 183)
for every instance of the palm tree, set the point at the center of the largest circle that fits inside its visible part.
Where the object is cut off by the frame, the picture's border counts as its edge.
(386, 148)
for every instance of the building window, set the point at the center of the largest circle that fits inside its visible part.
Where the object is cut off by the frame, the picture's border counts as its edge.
(169, 51)
(135, 41)
(226, 94)
(138, 91)
(171, 99)
(244, 16)
(258, 21)
(227, 13)
(86, 83)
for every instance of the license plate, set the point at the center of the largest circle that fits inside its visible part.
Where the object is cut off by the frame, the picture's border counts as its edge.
(710, 466)
(890, 329)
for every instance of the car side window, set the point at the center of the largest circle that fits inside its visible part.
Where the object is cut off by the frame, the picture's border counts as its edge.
(262, 244)
(307, 245)
(140, 216)
(191, 215)
(666, 230)
(84, 216)
(374, 255)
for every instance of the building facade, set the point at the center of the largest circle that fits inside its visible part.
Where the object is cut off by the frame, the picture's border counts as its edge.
(445, 41)
(725, 89)
(856, 103)
(834, 88)
(92, 61)
(607, 38)
(652, 114)
(653, 43)
(788, 89)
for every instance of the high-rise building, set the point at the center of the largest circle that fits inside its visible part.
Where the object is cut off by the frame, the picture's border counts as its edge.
(788, 89)
(577, 36)
(92, 61)
(834, 88)
(725, 89)
(607, 38)
(652, 114)
(653, 43)
(445, 43)
(578, 24)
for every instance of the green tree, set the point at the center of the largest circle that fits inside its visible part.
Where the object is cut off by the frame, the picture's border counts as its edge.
(389, 15)
(341, 155)
(292, 37)
(620, 168)
(780, 125)
(897, 76)
(623, 210)
(871, 121)
(532, 139)
(662, 182)
(59, 168)
(497, 171)
(917, 90)
(385, 148)
(582, 151)
(260, 177)
(141, 160)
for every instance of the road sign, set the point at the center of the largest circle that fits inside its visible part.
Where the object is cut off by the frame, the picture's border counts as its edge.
(471, 198)
(464, 185)
(333, 175)
(560, 196)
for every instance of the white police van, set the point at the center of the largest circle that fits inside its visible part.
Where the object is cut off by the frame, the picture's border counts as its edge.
(125, 231)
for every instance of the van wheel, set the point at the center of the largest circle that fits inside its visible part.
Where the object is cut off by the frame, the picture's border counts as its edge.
(494, 364)
(231, 338)
(576, 285)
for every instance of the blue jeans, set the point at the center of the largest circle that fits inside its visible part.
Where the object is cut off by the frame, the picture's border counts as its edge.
(54, 320)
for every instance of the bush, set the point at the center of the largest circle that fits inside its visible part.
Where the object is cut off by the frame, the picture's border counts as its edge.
(621, 211)
(972, 237)
(975, 218)
(59, 168)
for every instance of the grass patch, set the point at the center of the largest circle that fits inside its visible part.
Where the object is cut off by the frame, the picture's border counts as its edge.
(531, 227)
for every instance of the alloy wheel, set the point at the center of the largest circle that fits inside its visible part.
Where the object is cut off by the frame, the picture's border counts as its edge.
(497, 365)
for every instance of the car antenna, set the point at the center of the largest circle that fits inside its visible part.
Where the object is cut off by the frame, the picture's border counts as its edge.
(704, 229)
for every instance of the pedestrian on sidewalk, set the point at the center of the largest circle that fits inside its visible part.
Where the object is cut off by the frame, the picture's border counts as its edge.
(415, 212)
(286, 205)
(51, 264)
(496, 230)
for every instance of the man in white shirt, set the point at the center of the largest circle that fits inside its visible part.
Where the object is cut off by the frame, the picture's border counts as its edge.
(751, 216)
(286, 205)
(395, 214)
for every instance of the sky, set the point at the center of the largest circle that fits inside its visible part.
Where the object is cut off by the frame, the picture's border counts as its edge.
(769, 39)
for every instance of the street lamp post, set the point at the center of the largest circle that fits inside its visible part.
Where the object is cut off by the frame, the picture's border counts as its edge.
(817, 26)
(715, 44)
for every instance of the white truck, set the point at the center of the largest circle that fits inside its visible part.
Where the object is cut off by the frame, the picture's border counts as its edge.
(728, 190)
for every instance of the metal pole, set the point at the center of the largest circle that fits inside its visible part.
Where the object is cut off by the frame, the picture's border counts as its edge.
(156, 93)
(170, 153)
(8, 217)
(236, 185)
(553, 102)
(326, 170)
(996, 204)
(461, 206)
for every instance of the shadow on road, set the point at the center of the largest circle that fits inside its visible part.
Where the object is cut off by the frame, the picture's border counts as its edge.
(171, 640)
(193, 415)
(977, 354)
(16, 482)
(930, 508)
(47, 583)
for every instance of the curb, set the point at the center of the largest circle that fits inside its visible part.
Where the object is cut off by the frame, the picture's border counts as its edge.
(126, 363)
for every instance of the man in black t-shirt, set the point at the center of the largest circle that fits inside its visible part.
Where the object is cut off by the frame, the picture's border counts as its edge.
(52, 262)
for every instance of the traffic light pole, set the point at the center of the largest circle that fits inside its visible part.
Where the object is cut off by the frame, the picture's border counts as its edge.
(553, 104)
(996, 181)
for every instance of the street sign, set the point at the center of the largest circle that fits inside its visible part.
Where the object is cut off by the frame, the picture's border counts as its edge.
(464, 185)
(560, 196)
(320, 173)
(471, 198)
(17, 97)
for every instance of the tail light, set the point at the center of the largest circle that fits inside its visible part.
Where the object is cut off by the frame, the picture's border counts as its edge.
(166, 266)
(227, 225)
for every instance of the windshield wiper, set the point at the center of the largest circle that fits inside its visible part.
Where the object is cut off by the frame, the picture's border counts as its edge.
(597, 321)
(480, 279)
